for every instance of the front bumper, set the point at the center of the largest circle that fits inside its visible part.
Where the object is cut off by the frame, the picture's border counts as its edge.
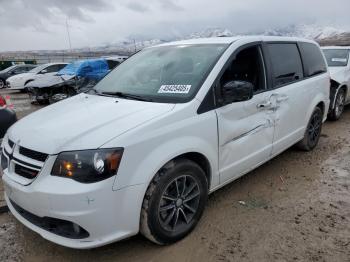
(105, 214)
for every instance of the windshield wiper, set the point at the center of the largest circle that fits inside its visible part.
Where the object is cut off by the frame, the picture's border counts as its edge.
(127, 96)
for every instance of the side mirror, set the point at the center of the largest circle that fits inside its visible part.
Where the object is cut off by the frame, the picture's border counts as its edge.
(237, 91)
(44, 71)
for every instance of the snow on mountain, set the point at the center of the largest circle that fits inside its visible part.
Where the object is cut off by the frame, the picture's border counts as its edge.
(313, 31)
(210, 32)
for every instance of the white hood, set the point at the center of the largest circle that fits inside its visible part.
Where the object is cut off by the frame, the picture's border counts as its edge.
(82, 122)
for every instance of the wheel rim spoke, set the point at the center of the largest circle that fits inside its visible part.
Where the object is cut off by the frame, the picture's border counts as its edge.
(167, 207)
(184, 215)
(189, 190)
(192, 196)
(189, 208)
(184, 186)
(177, 188)
(176, 218)
(169, 198)
(170, 217)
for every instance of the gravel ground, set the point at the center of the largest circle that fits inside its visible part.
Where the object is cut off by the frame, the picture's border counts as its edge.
(294, 208)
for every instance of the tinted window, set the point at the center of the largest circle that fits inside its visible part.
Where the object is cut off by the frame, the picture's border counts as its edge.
(20, 70)
(51, 69)
(336, 57)
(247, 66)
(313, 60)
(28, 68)
(286, 63)
(60, 66)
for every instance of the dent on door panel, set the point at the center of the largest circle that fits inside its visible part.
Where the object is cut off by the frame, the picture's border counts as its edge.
(244, 140)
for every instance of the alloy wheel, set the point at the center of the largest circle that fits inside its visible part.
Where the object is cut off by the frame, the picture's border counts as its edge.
(339, 104)
(315, 127)
(179, 203)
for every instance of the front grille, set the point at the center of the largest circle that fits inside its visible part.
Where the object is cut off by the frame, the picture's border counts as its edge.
(25, 172)
(33, 154)
(11, 143)
(56, 226)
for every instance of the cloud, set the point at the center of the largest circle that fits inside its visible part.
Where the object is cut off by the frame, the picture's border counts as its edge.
(38, 13)
(138, 7)
(40, 24)
(170, 5)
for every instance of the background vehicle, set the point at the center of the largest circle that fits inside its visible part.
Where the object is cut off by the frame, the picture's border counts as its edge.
(7, 117)
(76, 77)
(13, 70)
(339, 66)
(18, 82)
(7, 63)
(142, 150)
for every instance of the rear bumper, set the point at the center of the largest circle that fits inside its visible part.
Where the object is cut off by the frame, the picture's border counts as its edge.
(106, 215)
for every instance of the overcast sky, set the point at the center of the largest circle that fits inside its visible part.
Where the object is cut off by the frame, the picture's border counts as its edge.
(41, 24)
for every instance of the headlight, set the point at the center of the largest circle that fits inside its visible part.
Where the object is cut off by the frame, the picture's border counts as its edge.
(88, 166)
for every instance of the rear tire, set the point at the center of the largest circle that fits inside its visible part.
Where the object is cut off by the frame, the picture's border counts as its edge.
(313, 131)
(339, 104)
(174, 202)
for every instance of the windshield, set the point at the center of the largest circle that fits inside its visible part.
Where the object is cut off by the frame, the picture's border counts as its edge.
(9, 68)
(167, 74)
(336, 57)
(38, 69)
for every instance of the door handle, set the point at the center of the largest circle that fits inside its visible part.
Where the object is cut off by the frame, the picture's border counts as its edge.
(264, 105)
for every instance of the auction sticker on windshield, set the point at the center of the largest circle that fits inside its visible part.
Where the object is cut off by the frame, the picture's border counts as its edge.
(174, 89)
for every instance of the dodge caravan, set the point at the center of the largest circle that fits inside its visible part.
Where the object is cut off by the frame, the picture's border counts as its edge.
(141, 151)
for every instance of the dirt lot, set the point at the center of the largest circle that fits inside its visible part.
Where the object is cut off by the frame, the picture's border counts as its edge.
(295, 208)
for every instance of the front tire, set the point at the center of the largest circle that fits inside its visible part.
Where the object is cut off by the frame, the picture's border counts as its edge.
(2, 83)
(174, 202)
(313, 131)
(339, 104)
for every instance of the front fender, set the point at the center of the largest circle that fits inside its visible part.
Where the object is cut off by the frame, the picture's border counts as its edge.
(155, 159)
(335, 87)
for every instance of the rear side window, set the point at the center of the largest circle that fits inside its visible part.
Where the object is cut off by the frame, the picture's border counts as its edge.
(314, 63)
(286, 63)
(51, 69)
(60, 66)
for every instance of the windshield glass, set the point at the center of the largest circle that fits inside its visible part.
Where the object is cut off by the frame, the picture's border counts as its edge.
(167, 74)
(38, 69)
(9, 68)
(336, 57)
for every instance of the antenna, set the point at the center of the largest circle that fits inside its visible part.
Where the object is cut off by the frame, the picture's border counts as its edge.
(67, 27)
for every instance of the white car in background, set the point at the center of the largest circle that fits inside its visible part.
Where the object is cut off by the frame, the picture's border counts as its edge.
(18, 82)
(339, 66)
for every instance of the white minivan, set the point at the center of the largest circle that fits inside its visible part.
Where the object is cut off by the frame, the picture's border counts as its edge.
(142, 150)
